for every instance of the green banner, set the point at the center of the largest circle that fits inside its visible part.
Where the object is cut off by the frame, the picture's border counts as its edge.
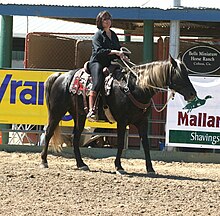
(194, 137)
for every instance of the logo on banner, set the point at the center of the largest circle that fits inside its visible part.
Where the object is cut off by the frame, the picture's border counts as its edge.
(27, 92)
(197, 102)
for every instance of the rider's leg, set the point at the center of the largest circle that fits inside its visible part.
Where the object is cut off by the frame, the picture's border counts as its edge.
(92, 109)
(97, 80)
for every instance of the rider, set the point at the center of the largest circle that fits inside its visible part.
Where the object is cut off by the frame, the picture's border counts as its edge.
(105, 48)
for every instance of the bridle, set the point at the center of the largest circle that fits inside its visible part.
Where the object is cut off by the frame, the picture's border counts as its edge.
(172, 93)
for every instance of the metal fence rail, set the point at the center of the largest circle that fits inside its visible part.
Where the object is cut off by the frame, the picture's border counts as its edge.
(24, 133)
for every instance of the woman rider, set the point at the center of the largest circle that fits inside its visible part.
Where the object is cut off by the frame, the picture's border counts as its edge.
(105, 48)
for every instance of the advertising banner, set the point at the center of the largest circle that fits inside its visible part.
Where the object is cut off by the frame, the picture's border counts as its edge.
(195, 124)
(22, 99)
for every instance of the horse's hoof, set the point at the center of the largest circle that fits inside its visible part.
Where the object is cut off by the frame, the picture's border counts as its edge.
(44, 165)
(121, 172)
(151, 173)
(83, 168)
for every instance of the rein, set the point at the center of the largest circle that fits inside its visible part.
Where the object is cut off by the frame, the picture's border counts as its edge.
(138, 104)
(127, 51)
(143, 106)
(172, 94)
(127, 91)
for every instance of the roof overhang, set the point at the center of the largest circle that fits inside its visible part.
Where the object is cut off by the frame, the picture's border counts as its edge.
(122, 13)
(194, 21)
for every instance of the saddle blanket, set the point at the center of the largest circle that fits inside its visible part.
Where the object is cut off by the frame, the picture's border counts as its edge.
(82, 83)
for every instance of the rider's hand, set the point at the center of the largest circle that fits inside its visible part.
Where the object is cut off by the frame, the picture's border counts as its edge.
(124, 57)
(120, 54)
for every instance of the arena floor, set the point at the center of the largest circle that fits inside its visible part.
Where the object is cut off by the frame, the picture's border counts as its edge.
(178, 188)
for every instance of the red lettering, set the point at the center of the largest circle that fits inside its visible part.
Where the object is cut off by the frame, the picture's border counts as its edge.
(204, 119)
(193, 120)
(217, 121)
(211, 121)
(183, 119)
(200, 119)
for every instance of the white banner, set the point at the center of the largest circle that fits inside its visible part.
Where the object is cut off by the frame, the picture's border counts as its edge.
(196, 124)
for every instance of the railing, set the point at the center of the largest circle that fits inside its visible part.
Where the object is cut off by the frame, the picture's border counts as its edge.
(22, 133)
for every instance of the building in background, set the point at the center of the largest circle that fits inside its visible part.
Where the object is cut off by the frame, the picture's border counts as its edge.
(22, 25)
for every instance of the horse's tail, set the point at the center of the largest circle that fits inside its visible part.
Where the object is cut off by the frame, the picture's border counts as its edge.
(56, 139)
(48, 85)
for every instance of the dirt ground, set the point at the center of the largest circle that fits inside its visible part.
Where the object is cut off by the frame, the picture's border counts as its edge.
(178, 188)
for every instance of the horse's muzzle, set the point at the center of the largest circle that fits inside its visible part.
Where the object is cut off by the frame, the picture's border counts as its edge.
(189, 93)
(190, 97)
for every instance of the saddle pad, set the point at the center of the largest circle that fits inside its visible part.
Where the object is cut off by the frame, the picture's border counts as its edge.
(81, 82)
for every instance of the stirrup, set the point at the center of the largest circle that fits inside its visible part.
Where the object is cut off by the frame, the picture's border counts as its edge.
(91, 116)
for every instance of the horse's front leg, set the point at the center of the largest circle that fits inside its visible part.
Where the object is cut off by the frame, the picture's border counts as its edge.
(77, 131)
(143, 133)
(120, 141)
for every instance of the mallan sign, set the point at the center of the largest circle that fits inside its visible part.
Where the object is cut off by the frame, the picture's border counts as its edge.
(196, 124)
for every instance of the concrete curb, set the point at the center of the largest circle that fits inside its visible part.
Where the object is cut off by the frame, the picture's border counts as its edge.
(128, 153)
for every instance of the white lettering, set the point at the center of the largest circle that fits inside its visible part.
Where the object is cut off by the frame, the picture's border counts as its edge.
(205, 138)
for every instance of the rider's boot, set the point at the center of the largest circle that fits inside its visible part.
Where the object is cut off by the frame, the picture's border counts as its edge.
(91, 116)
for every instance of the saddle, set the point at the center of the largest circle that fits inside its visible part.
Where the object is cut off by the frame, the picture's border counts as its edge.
(81, 84)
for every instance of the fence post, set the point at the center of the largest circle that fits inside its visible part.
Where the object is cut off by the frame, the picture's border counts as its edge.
(6, 55)
(148, 41)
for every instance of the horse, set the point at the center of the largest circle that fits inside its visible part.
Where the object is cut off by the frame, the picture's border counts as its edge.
(128, 103)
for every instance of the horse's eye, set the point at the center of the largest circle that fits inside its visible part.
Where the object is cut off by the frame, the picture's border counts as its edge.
(174, 85)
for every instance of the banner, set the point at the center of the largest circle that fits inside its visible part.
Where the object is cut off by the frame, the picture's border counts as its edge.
(22, 99)
(195, 124)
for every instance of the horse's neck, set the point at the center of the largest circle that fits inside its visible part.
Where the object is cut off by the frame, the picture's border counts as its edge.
(156, 76)
(139, 93)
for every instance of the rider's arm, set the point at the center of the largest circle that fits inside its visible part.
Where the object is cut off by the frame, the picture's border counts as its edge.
(98, 45)
(116, 52)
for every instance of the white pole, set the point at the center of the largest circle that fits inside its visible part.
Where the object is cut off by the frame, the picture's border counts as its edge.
(176, 3)
(174, 33)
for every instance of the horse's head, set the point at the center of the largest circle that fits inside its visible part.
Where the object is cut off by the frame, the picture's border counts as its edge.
(179, 80)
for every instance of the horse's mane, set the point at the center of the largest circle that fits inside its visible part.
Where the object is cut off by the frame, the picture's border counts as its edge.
(152, 74)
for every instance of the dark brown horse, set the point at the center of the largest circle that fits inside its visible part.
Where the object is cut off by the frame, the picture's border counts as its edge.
(142, 84)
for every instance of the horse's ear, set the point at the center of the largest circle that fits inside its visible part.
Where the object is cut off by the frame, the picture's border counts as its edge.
(172, 61)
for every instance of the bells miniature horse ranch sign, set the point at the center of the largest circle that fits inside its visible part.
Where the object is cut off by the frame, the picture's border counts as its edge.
(202, 59)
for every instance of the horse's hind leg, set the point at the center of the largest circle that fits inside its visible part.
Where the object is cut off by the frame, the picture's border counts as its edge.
(49, 133)
(77, 131)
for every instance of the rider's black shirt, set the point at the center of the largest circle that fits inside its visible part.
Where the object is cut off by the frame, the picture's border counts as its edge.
(102, 46)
